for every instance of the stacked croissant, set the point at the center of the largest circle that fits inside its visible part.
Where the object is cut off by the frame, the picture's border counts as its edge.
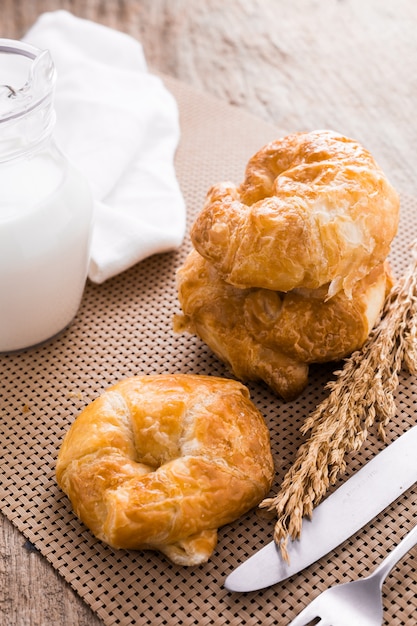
(289, 268)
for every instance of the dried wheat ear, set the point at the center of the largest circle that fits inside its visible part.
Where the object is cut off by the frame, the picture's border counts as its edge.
(361, 394)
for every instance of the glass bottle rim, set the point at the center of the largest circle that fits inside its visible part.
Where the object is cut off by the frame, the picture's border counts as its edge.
(10, 46)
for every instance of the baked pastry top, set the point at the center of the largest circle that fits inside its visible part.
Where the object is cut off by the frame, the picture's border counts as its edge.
(314, 209)
(273, 336)
(161, 462)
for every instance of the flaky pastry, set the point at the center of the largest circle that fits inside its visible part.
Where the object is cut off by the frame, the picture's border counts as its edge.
(161, 462)
(314, 209)
(273, 336)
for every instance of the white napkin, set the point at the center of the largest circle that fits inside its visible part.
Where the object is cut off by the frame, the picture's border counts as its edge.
(119, 126)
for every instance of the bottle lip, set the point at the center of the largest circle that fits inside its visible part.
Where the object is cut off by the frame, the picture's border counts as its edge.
(36, 89)
(19, 47)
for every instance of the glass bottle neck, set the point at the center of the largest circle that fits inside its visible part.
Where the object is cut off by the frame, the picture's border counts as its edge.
(27, 115)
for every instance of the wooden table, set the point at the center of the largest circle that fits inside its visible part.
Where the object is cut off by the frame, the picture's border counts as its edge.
(350, 65)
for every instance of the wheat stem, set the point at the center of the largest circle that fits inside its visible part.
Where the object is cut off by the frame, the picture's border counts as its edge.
(361, 394)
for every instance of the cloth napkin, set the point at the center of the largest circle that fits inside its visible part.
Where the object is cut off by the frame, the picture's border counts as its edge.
(119, 126)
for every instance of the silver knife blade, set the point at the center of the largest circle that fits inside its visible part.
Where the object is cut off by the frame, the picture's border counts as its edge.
(368, 492)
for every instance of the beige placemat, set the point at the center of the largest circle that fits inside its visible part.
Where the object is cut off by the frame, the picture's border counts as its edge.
(124, 328)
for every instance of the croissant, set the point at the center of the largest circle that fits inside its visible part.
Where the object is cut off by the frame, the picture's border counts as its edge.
(273, 336)
(314, 209)
(161, 462)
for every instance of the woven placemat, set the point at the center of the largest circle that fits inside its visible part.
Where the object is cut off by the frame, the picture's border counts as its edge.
(124, 328)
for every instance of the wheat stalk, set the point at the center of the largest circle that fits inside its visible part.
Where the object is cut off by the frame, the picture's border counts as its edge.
(361, 394)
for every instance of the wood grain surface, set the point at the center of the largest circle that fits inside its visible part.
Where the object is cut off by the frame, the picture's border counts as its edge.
(350, 65)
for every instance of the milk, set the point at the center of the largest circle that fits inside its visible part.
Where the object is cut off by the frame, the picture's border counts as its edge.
(45, 224)
(45, 207)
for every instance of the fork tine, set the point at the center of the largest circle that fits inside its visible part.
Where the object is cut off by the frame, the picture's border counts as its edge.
(306, 616)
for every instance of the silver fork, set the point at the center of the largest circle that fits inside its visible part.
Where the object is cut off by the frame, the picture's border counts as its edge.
(358, 602)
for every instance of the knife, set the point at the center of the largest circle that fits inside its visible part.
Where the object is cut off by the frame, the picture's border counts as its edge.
(378, 483)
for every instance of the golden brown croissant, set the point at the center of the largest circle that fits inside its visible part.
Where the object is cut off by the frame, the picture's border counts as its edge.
(161, 462)
(273, 336)
(314, 209)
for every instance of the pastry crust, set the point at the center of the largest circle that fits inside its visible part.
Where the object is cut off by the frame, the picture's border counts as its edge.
(161, 462)
(274, 336)
(314, 209)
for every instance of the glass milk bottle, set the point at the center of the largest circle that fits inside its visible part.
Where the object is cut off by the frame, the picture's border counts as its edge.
(45, 206)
